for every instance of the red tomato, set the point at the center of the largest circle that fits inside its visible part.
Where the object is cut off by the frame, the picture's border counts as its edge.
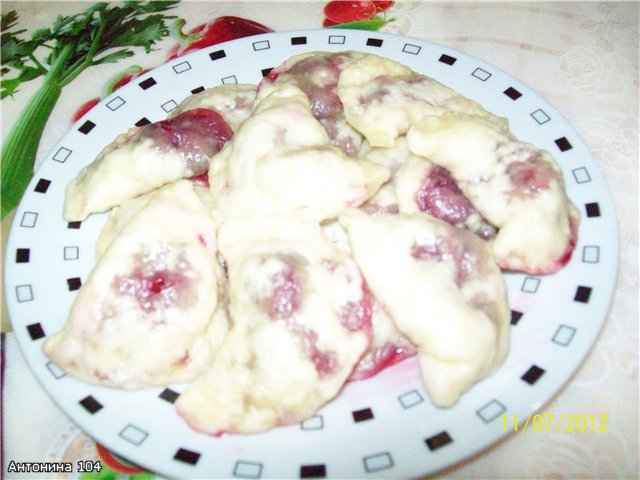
(222, 29)
(83, 109)
(349, 11)
(127, 78)
(382, 5)
(329, 23)
(115, 463)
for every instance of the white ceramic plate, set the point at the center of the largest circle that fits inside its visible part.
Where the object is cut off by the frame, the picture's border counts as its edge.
(381, 427)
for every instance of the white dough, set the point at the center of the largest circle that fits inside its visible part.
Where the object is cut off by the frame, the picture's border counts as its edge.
(297, 329)
(280, 162)
(383, 98)
(537, 222)
(451, 303)
(233, 102)
(148, 313)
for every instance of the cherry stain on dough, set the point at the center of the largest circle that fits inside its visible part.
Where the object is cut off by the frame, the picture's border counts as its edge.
(198, 134)
(284, 302)
(453, 249)
(440, 196)
(158, 289)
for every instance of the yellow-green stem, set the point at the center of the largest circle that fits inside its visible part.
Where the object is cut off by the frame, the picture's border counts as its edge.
(21, 145)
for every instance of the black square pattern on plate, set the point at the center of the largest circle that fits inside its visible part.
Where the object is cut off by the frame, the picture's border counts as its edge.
(512, 93)
(35, 331)
(197, 90)
(148, 83)
(362, 415)
(592, 209)
(74, 283)
(448, 59)
(438, 441)
(90, 404)
(22, 255)
(142, 122)
(582, 294)
(187, 456)
(42, 186)
(515, 317)
(374, 42)
(266, 71)
(217, 55)
(563, 144)
(532, 375)
(298, 40)
(74, 225)
(169, 395)
(313, 471)
(86, 127)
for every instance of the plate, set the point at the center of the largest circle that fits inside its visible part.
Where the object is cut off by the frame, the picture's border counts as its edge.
(554, 321)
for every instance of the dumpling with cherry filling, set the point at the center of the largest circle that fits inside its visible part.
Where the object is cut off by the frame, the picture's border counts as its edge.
(148, 314)
(443, 290)
(233, 101)
(281, 162)
(514, 185)
(317, 74)
(388, 346)
(301, 319)
(146, 158)
(382, 99)
(422, 186)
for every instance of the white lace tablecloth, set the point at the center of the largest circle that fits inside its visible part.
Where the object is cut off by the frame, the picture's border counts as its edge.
(583, 58)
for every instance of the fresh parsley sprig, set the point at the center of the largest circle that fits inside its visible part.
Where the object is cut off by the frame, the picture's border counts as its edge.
(104, 33)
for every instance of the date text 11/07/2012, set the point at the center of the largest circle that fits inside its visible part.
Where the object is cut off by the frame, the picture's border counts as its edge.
(549, 422)
(82, 466)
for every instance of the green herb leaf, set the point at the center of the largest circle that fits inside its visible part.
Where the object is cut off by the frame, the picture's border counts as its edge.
(113, 57)
(372, 24)
(9, 19)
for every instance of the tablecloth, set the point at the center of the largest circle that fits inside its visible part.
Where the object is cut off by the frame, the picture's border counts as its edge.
(582, 57)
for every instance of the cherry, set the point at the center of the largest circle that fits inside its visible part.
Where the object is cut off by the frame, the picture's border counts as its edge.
(198, 134)
(440, 196)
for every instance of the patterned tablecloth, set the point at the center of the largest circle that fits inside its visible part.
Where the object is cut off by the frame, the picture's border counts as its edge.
(582, 57)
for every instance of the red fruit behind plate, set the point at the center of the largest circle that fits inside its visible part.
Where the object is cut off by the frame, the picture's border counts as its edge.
(222, 29)
(83, 109)
(349, 11)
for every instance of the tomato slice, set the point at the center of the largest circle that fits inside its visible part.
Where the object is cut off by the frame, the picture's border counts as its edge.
(116, 463)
